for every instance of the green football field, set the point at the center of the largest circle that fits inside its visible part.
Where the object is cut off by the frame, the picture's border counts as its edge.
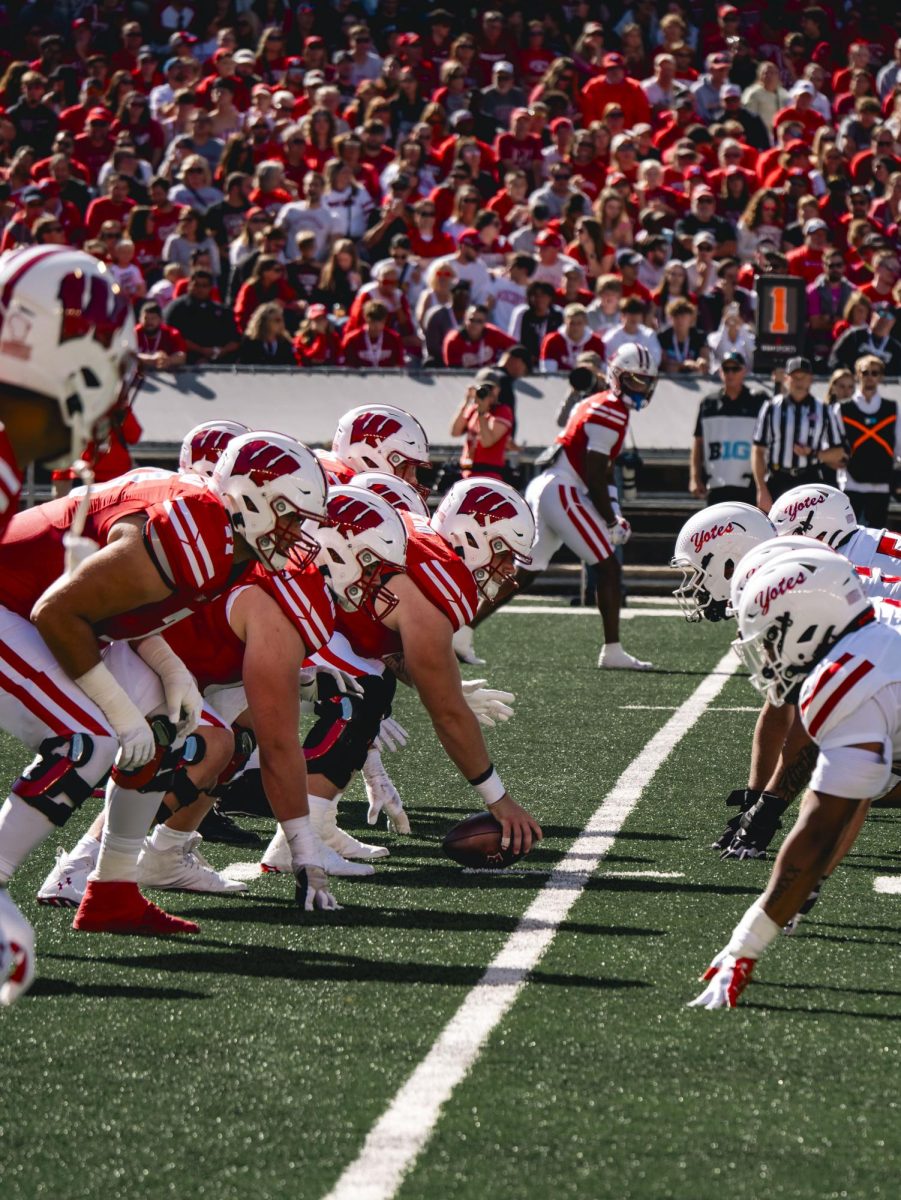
(253, 1059)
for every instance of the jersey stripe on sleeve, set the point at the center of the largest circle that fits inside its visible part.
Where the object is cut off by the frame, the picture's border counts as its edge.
(845, 685)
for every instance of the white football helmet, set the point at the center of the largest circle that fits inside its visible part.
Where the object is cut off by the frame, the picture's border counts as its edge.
(815, 510)
(203, 445)
(632, 375)
(766, 552)
(379, 437)
(66, 331)
(488, 524)
(707, 552)
(397, 492)
(269, 483)
(791, 612)
(362, 538)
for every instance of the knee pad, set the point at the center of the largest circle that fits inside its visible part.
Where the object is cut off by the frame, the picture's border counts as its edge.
(246, 795)
(64, 774)
(338, 743)
(245, 744)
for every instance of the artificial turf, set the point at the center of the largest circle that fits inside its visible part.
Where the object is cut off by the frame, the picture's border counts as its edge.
(254, 1058)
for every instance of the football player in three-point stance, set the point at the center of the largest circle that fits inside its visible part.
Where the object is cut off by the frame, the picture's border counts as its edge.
(809, 635)
(574, 500)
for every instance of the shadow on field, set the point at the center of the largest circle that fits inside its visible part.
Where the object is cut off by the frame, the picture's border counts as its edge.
(795, 1011)
(604, 883)
(896, 929)
(273, 963)
(44, 987)
(826, 987)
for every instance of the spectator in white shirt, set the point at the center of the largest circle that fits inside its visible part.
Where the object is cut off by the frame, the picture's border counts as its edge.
(350, 205)
(308, 214)
(509, 289)
(366, 64)
(661, 88)
(632, 311)
(732, 337)
(552, 262)
(702, 269)
(468, 264)
(603, 311)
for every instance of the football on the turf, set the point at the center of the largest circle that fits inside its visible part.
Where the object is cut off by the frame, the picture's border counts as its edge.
(476, 842)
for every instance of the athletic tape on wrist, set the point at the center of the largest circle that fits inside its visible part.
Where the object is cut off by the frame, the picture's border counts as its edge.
(489, 785)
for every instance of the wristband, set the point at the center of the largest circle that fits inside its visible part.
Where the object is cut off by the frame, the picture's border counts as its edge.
(302, 842)
(489, 786)
(753, 933)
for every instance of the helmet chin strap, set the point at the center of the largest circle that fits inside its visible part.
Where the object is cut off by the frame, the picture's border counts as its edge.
(78, 548)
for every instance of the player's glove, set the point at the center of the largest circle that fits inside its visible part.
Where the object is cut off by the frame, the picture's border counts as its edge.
(726, 979)
(756, 828)
(488, 704)
(464, 646)
(742, 798)
(619, 532)
(382, 794)
(391, 736)
(136, 742)
(184, 702)
(16, 951)
(344, 681)
(311, 889)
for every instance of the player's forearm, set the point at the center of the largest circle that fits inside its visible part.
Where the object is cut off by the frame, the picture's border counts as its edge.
(460, 735)
(758, 466)
(69, 638)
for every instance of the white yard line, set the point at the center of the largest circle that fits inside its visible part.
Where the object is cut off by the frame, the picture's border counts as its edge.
(672, 708)
(606, 874)
(399, 1135)
(627, 614)
(888, 885)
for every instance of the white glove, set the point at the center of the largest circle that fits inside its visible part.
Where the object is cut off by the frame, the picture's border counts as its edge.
(391, 736)
(312, 891)
(619, 532)
(136, 743)
(382, 794)
(16, 951)
(488, 704)
(183, 699)
(726, 979)
(464, 646)
(78, 550)
(345, 682)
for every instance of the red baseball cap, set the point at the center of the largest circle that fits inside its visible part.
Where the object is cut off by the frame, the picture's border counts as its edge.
(613, 59)
(470, 237)
(48, 187)
(317, 310)
(99, 114)
(548, 237)
(313, 41)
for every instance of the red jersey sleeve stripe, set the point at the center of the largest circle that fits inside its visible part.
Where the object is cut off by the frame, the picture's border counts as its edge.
(859, 672)
(185, 545)
(826, 676)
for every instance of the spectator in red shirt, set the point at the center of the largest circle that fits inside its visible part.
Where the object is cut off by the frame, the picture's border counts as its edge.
(160, 347)
(317, 344)
(801, 110)
(477, 343)
(145, 134)
(265, 285)
(373, 346)
(73, 118)
(114, 206)
(885, 276)
(19, 230)
(166, 215)
(807, 261)
(519, 149)
(560, 350)
(96, 144)
(147, 75)
(627, 263)
(426, 241)
(614, 88)
(485, 424)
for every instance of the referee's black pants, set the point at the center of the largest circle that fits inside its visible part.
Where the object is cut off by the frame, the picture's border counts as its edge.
(722, 495)
(870, 508)
(779, 482)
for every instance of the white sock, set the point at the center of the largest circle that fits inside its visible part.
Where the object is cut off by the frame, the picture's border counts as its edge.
(118, 860)
(21, 829)
(87, 847)
(164, 838)
(613, 648)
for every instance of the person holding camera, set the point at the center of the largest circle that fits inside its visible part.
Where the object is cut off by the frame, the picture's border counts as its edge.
(485, 424)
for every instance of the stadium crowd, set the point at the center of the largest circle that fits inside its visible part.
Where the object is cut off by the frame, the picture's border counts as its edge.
(372, 184)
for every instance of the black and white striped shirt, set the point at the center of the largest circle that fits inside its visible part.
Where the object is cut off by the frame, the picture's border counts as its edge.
(784, 423)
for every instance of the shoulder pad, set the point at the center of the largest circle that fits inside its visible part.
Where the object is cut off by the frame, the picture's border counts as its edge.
(846, 678)
(190, 539)
(305, 600)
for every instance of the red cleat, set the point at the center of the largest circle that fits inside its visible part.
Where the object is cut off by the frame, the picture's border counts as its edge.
(111, 907)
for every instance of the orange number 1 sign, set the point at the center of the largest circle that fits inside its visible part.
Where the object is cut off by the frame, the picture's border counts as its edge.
(779, 317)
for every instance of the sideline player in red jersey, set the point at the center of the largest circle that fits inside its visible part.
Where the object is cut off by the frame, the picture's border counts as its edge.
(467, 549)
(574, 499)
(246, 650)
(67, 359)
(164, 547)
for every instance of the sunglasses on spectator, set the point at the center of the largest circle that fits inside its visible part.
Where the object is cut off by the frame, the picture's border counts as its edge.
(426, 212)
(872, 373)
(362, 41)
(107, 236)
(731, 368)
(53, 229)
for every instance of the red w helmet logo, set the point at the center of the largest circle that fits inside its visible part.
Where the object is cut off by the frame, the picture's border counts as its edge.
(486, 505)
(261, 461)
(373, 428)
(210, 443)
(347, 514)
(98, 315)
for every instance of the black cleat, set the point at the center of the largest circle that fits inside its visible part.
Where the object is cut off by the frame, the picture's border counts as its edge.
(217, 827)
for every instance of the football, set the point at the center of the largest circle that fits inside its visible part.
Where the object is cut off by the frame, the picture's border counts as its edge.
(476, 842)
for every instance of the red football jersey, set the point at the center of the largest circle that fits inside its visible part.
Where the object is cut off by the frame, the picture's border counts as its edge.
(439, 574)
(213, 652)
(187, 533)
(602, 419)
(10, 483)
(336, 472)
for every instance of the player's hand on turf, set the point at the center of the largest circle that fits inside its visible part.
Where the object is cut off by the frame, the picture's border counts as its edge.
(756, 828)
(726, 978)
(519, 830)
(16, 951)
(391, 736)
(489, 705)
(620, 531)
(312, 890)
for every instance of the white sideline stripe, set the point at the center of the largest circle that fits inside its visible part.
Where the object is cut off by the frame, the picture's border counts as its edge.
(397, 1138)
(627, 614)
(888, 885)
(604, 875)
(672, 708)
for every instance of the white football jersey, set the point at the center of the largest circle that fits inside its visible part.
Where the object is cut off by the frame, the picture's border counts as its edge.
(874, 548)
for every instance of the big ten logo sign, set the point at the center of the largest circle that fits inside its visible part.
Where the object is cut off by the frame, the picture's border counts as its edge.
(781, 320)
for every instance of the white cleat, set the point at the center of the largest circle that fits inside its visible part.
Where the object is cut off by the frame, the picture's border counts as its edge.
(464, 646)
(68, 880)
(277, 860)
(324, 815)
(16, 951)
(614, 658)
(183, 868)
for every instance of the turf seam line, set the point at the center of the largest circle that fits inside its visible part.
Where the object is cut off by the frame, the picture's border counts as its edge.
(399, 1135)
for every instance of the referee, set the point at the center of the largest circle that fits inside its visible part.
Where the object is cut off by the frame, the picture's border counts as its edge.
(796, 436)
